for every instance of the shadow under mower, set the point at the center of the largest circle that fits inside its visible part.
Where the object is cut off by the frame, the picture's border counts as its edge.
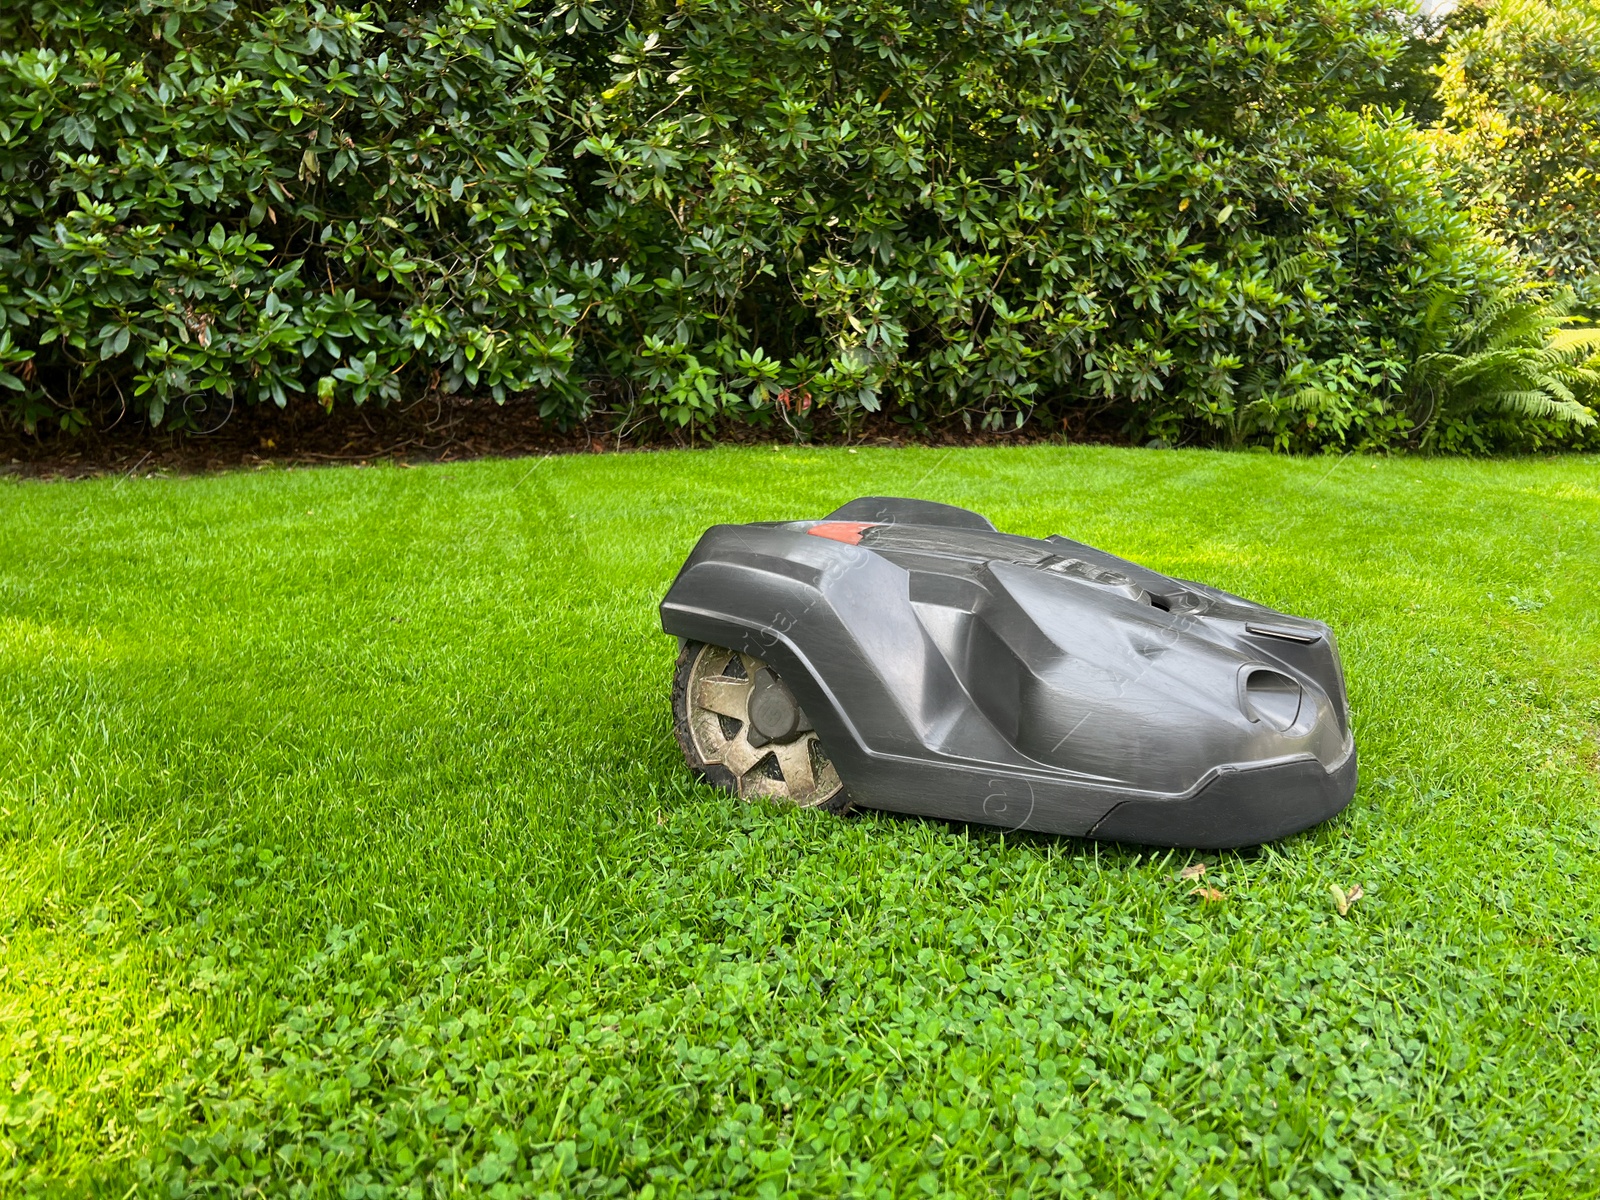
(904, 655)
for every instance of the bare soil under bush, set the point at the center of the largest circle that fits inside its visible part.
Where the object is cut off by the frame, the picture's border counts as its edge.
(434, 429)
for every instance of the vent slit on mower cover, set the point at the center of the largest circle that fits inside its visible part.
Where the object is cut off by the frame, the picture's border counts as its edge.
(904, 655)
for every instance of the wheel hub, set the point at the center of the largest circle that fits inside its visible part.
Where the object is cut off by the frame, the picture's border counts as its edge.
(775, 716)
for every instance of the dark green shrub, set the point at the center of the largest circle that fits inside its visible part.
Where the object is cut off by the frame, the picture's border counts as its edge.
(243, 202)
(724, 211)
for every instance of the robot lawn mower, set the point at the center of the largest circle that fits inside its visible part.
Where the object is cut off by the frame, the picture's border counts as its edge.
(904, 655)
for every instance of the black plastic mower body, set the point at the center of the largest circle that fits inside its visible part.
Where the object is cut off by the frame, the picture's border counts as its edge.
(957, 672)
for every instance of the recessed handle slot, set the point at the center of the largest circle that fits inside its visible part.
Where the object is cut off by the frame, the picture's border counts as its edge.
(1306, 636)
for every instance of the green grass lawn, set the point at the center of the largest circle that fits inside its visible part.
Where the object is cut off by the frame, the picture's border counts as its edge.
(345, 850)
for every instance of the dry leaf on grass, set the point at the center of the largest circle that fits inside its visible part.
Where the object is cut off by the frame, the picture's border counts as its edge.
(1192, 871)
(1345, 899)
(1208, 895)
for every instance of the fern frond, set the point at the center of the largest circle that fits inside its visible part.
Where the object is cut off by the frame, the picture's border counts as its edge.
(1513, 351)
(1556, 388)
(1516, 324)
(1292, 270)
(1311, 397)
(1541, 404)
(1586, 338)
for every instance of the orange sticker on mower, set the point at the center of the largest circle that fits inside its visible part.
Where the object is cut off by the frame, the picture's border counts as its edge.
(843, 531)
